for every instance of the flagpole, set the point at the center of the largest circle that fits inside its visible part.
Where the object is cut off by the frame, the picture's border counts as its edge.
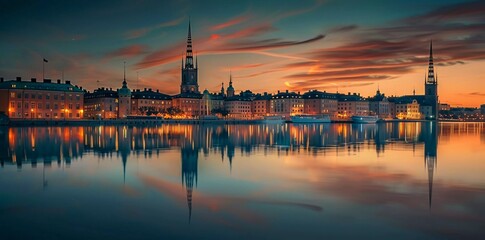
(43, 69)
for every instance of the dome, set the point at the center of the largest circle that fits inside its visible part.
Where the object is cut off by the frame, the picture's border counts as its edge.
(230, 88)
(124, 91)
(206, 92)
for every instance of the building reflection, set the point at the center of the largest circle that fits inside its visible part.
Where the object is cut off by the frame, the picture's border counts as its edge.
(430, 135)
(21, 146)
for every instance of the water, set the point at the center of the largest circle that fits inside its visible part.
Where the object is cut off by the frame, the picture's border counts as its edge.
(395, 180)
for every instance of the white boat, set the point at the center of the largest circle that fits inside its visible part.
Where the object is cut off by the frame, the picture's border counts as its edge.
(310, 119)
(364, 119)
(273, 119)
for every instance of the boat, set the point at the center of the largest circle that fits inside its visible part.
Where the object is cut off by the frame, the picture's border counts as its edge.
(364, 119)
(310, 119)
(273, 119)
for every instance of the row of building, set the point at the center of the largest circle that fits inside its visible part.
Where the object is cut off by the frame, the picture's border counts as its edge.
(63, 100)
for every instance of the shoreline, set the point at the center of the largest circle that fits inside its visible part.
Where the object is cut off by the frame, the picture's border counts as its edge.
(142, 122)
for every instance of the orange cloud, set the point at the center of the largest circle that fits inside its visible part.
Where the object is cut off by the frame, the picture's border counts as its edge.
(229, 23)
(128, 51)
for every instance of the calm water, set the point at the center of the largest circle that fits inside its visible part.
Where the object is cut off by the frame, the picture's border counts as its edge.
(399, 180)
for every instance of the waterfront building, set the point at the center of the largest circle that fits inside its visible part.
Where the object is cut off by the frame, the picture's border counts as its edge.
(482, 109)
(210, 102)
(260, 106)
(444, 107)
(40, 100)
(379, 105)
(238, 107)
(149, 102)
(317, 102)
(352, 104)
(407, 108)
(286, 104)
(102, 103)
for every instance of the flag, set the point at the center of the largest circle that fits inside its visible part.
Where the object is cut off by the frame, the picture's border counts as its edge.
(45, 60)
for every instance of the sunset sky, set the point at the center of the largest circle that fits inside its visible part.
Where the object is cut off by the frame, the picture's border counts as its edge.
(345, 46)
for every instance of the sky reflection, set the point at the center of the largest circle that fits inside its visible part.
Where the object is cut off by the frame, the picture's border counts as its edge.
(241, 181)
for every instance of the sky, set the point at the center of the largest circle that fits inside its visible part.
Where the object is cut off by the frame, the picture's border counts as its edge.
(328, 45)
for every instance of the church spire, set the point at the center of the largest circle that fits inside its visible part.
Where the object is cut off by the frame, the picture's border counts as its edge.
(189, 61)
(431, 78)
(230, 78)
(124, 75)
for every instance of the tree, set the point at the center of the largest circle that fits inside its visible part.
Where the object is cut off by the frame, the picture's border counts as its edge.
(174, 111)
(221, 111)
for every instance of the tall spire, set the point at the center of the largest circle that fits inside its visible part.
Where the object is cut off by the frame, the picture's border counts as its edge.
(189, 62)
(124, 74)
(230, 78)
(431, 78)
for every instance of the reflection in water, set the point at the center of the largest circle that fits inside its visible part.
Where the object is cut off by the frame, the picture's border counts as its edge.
(21, 146)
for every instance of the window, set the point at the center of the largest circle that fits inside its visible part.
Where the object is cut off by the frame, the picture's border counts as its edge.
(12, 104)
(39, 106)
(12, 95)
(48, 96)
(56, 97)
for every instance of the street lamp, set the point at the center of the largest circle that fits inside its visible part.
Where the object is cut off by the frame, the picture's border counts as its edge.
(31, 113)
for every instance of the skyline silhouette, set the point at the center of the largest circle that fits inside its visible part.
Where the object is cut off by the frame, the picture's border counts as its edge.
(297, 46)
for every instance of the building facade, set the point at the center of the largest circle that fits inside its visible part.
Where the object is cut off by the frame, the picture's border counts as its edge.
(352, 104)
(317, 102)
(286, 104)
(238, 107)
(41, 100)
(102, 103)
(406, 109)
(148, 102)
(379, 105)
(260, 106)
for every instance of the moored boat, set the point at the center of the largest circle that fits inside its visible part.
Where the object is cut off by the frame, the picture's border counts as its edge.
(310, 119)
(273, 119)
(364, 119)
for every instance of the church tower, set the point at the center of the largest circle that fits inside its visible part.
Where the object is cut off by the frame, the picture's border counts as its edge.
(124, 97)
(189, 70)
(230, 89)
(431, 85)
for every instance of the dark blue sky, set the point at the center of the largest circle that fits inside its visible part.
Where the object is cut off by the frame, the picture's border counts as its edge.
(268, 45)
